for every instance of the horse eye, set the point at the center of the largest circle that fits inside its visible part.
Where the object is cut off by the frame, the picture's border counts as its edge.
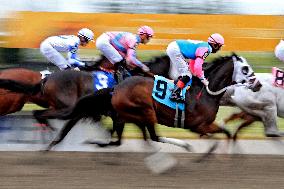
(245, 70)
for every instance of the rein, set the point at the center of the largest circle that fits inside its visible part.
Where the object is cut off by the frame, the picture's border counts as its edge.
(214, 93)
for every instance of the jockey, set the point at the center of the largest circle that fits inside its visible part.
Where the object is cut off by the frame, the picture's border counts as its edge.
(196, 51)
(279, 50)
(119, 47)
(52, 47)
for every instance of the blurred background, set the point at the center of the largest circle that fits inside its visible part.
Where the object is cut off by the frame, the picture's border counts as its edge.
(251, 29)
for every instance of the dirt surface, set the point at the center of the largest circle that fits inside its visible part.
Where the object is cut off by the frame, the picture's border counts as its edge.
(62, 170)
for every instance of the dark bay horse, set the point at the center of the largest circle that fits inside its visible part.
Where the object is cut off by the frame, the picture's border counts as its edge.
(139, 107)
(60, 90)
(201, 104)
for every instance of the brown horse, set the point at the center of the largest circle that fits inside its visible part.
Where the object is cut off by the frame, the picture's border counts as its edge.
(11, 102)
(139, 107)
(59, 91)
(201, 104)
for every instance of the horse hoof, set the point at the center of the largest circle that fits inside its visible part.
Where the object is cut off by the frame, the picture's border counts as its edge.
(188, 148)
(274, 134)
(98, 143)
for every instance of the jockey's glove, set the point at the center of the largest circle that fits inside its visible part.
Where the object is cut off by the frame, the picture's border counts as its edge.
(76, 69)
(205, 81)
(78, 64)
(145, 68)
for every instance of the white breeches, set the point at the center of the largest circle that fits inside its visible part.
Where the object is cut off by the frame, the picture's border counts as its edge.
(179, 65)
(53, 55)
(103, 44)
(279, 51)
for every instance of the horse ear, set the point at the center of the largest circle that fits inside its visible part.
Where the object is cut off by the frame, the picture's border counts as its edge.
(234, 57)
(234, 54)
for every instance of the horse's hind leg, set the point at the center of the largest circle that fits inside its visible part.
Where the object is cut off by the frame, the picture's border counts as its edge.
(67, 127)
(248, 120)
(42, 119)
(234, 116)
(212, 129)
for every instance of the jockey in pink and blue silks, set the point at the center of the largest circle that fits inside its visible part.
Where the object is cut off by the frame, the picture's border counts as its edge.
(118, 47)
(197, 51)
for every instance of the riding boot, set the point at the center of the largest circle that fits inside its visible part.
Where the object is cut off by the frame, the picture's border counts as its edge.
(119, 70)
(176, 95)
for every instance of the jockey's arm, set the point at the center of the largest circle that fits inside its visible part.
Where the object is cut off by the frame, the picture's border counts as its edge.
(74, 60)
(133, 61)
(197, 67)
(201, 54)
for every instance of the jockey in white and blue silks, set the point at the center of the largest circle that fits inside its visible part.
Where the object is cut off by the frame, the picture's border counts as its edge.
(197, 51)
(118, 47)
(279, 50)
(52, 47)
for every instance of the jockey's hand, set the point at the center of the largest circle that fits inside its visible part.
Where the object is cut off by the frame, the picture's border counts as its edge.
(76, 69)
(145, 68)
(78, 64)
(205, 81)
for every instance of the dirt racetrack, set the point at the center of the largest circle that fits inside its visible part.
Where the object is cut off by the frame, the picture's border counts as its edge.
(77, 170)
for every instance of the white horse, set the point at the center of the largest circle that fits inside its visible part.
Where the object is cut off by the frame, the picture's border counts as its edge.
(264, 105)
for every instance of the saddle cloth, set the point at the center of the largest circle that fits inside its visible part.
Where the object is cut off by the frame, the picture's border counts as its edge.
(103, 79)
(162, 90)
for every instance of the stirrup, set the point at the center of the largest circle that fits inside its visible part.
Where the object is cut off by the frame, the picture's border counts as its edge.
(177, 98)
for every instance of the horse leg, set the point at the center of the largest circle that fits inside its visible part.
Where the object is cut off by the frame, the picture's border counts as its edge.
(249, 119)
(177, 142)
(67, 127)
(42, 119)
(270, 122)
(118, 127)
(234, 116)
(211, 129)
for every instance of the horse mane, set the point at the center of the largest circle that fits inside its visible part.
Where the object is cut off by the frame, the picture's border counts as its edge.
(217, 62)
(156, 59)
(96, 62)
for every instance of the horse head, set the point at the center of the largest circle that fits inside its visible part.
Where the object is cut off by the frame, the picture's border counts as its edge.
(224, 71)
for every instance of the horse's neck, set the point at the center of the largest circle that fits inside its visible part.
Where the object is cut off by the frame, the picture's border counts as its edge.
(221, 77)
(160, 66)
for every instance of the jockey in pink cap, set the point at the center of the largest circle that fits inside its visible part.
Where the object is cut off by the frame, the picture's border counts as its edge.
(119, 46)
(196, 51)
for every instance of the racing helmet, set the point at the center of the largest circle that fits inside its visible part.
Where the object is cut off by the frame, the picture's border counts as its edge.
(146, 30)
(86, 33)
(216, 38)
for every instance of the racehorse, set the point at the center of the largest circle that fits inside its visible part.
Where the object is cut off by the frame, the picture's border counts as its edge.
(264, 105)
(11, 102)
(139, 107)
(60, 90)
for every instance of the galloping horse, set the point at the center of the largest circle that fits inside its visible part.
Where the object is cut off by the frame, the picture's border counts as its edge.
(11, 102)
(201, 104)
(264, 105)
(60, 90)
(139, 107)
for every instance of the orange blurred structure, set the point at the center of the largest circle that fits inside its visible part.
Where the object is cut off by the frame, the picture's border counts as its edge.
(241, 32)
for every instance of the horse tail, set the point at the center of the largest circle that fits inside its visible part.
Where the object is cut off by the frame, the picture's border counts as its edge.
(19, 87)
(90, 106)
